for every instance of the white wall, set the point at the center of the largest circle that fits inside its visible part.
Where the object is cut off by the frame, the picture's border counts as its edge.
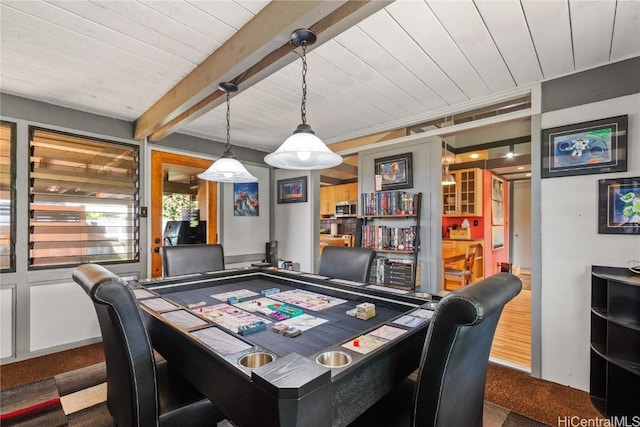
(571, 245)
(297, 225)
(243, 235)
(521, 223)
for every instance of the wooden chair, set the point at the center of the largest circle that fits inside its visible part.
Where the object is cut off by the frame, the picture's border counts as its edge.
(465, 274)
(140, 391)
(188, 259)
(449, 388)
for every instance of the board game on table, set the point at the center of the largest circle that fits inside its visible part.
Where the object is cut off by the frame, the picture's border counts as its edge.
(328, 359)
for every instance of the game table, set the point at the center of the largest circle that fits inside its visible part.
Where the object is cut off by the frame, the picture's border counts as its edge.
(217, 329)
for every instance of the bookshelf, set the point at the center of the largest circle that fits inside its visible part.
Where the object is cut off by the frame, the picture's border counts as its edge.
(391, 226)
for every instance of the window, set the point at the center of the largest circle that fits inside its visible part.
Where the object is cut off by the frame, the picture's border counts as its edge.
(7, 197)
(84, 200)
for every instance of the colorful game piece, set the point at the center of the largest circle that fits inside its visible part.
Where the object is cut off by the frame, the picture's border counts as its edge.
(252, 328)
(352, 312)
(196, 305)
(356, 343)
(269, 291)
(276, 315)
(232, 300)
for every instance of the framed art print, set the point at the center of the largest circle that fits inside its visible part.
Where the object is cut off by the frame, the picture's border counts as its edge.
(292, 190)
(598, 146)
(245, 199)
(395, 171)
(619, 206)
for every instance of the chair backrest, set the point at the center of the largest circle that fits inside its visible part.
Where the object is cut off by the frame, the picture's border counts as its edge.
(470, 256)
(188, 259)
(347, 263)
(455, 358)
(131, 375)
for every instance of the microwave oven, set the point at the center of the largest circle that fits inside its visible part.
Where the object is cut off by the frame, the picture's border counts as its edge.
(346, 209)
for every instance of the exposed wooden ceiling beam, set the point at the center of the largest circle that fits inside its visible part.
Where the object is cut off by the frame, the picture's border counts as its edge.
(258, 49)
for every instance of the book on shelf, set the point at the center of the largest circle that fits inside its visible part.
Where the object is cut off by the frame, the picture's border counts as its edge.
(382, 237)
(388, 203)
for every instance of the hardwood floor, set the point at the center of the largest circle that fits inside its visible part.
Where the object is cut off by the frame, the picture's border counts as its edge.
(512, 342)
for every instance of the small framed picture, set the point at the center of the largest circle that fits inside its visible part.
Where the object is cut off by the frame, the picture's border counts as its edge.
(599, 146)
(395, 171)
(245, 199)
(619, 206)
(292, 190)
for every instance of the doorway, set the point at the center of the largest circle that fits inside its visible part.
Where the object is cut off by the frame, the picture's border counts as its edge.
(174, 176)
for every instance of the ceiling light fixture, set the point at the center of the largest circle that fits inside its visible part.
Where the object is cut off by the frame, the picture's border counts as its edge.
(447, 178)
(303, 150)
(511, 153)
(227, 168)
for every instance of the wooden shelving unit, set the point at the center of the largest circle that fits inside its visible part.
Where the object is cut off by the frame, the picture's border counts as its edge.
(615, 341)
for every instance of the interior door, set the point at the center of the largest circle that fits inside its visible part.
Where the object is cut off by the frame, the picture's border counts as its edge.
(161, 163)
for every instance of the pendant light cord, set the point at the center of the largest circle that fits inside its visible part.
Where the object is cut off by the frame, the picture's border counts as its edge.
(228, 146)
(303, 104)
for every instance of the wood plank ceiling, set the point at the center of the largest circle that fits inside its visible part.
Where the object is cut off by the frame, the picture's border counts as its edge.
(405, 63)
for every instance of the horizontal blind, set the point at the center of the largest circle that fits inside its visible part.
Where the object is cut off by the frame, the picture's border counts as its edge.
(84, 200)
(7, 197)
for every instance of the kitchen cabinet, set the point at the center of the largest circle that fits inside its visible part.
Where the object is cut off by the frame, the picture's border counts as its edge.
(332, 194)
(465, 197)
(615, 341)
(346, 192)
(456, 250)
(327, 200)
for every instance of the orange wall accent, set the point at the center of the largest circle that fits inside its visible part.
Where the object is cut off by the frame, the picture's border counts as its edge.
(493, 257)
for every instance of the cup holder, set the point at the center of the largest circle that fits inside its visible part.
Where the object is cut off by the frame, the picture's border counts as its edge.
(431, 305)
(333, 359)
(255, 360)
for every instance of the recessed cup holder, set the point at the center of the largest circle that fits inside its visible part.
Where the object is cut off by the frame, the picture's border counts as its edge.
(333, 359)
(431, 305)
(257, 359)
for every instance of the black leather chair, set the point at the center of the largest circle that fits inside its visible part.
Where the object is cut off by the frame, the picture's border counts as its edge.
(139, 391)
(449, 390)
(188, 259)
(347, 263)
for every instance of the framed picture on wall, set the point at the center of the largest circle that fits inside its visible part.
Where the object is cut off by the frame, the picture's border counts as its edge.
(292, 190)
(497, 201)
(598, 146)
(245, 199)
(395, 171)
(619, 206)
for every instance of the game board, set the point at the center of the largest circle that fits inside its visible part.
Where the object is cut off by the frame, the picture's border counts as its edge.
(229, 317)
(240, 294)
(255, 304)
(303, 322)
(309, 300)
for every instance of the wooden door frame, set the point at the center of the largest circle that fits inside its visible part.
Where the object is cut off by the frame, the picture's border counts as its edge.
(158, 160)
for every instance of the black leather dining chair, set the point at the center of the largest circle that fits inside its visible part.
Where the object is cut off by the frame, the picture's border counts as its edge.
(347, 263)
(140, 392)
(449, 389)
(188, 259)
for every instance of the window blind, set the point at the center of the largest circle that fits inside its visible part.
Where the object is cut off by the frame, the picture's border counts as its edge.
(84, 200)
(7, 196)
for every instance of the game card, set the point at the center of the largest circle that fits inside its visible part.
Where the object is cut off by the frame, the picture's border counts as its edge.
(158, 304)
(364, 344)
(422, 313)
(388, 332)
(410, 321)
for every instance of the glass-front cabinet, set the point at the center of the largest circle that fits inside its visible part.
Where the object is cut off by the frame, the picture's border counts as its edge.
(465, 197)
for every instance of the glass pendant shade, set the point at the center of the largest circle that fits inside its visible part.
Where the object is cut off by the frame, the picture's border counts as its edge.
(447, 178)
(303, 150)
(227, 168)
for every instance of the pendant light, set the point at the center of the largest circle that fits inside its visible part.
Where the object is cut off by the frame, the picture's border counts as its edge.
(447, 178)
(227, 168)
(303, 150)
